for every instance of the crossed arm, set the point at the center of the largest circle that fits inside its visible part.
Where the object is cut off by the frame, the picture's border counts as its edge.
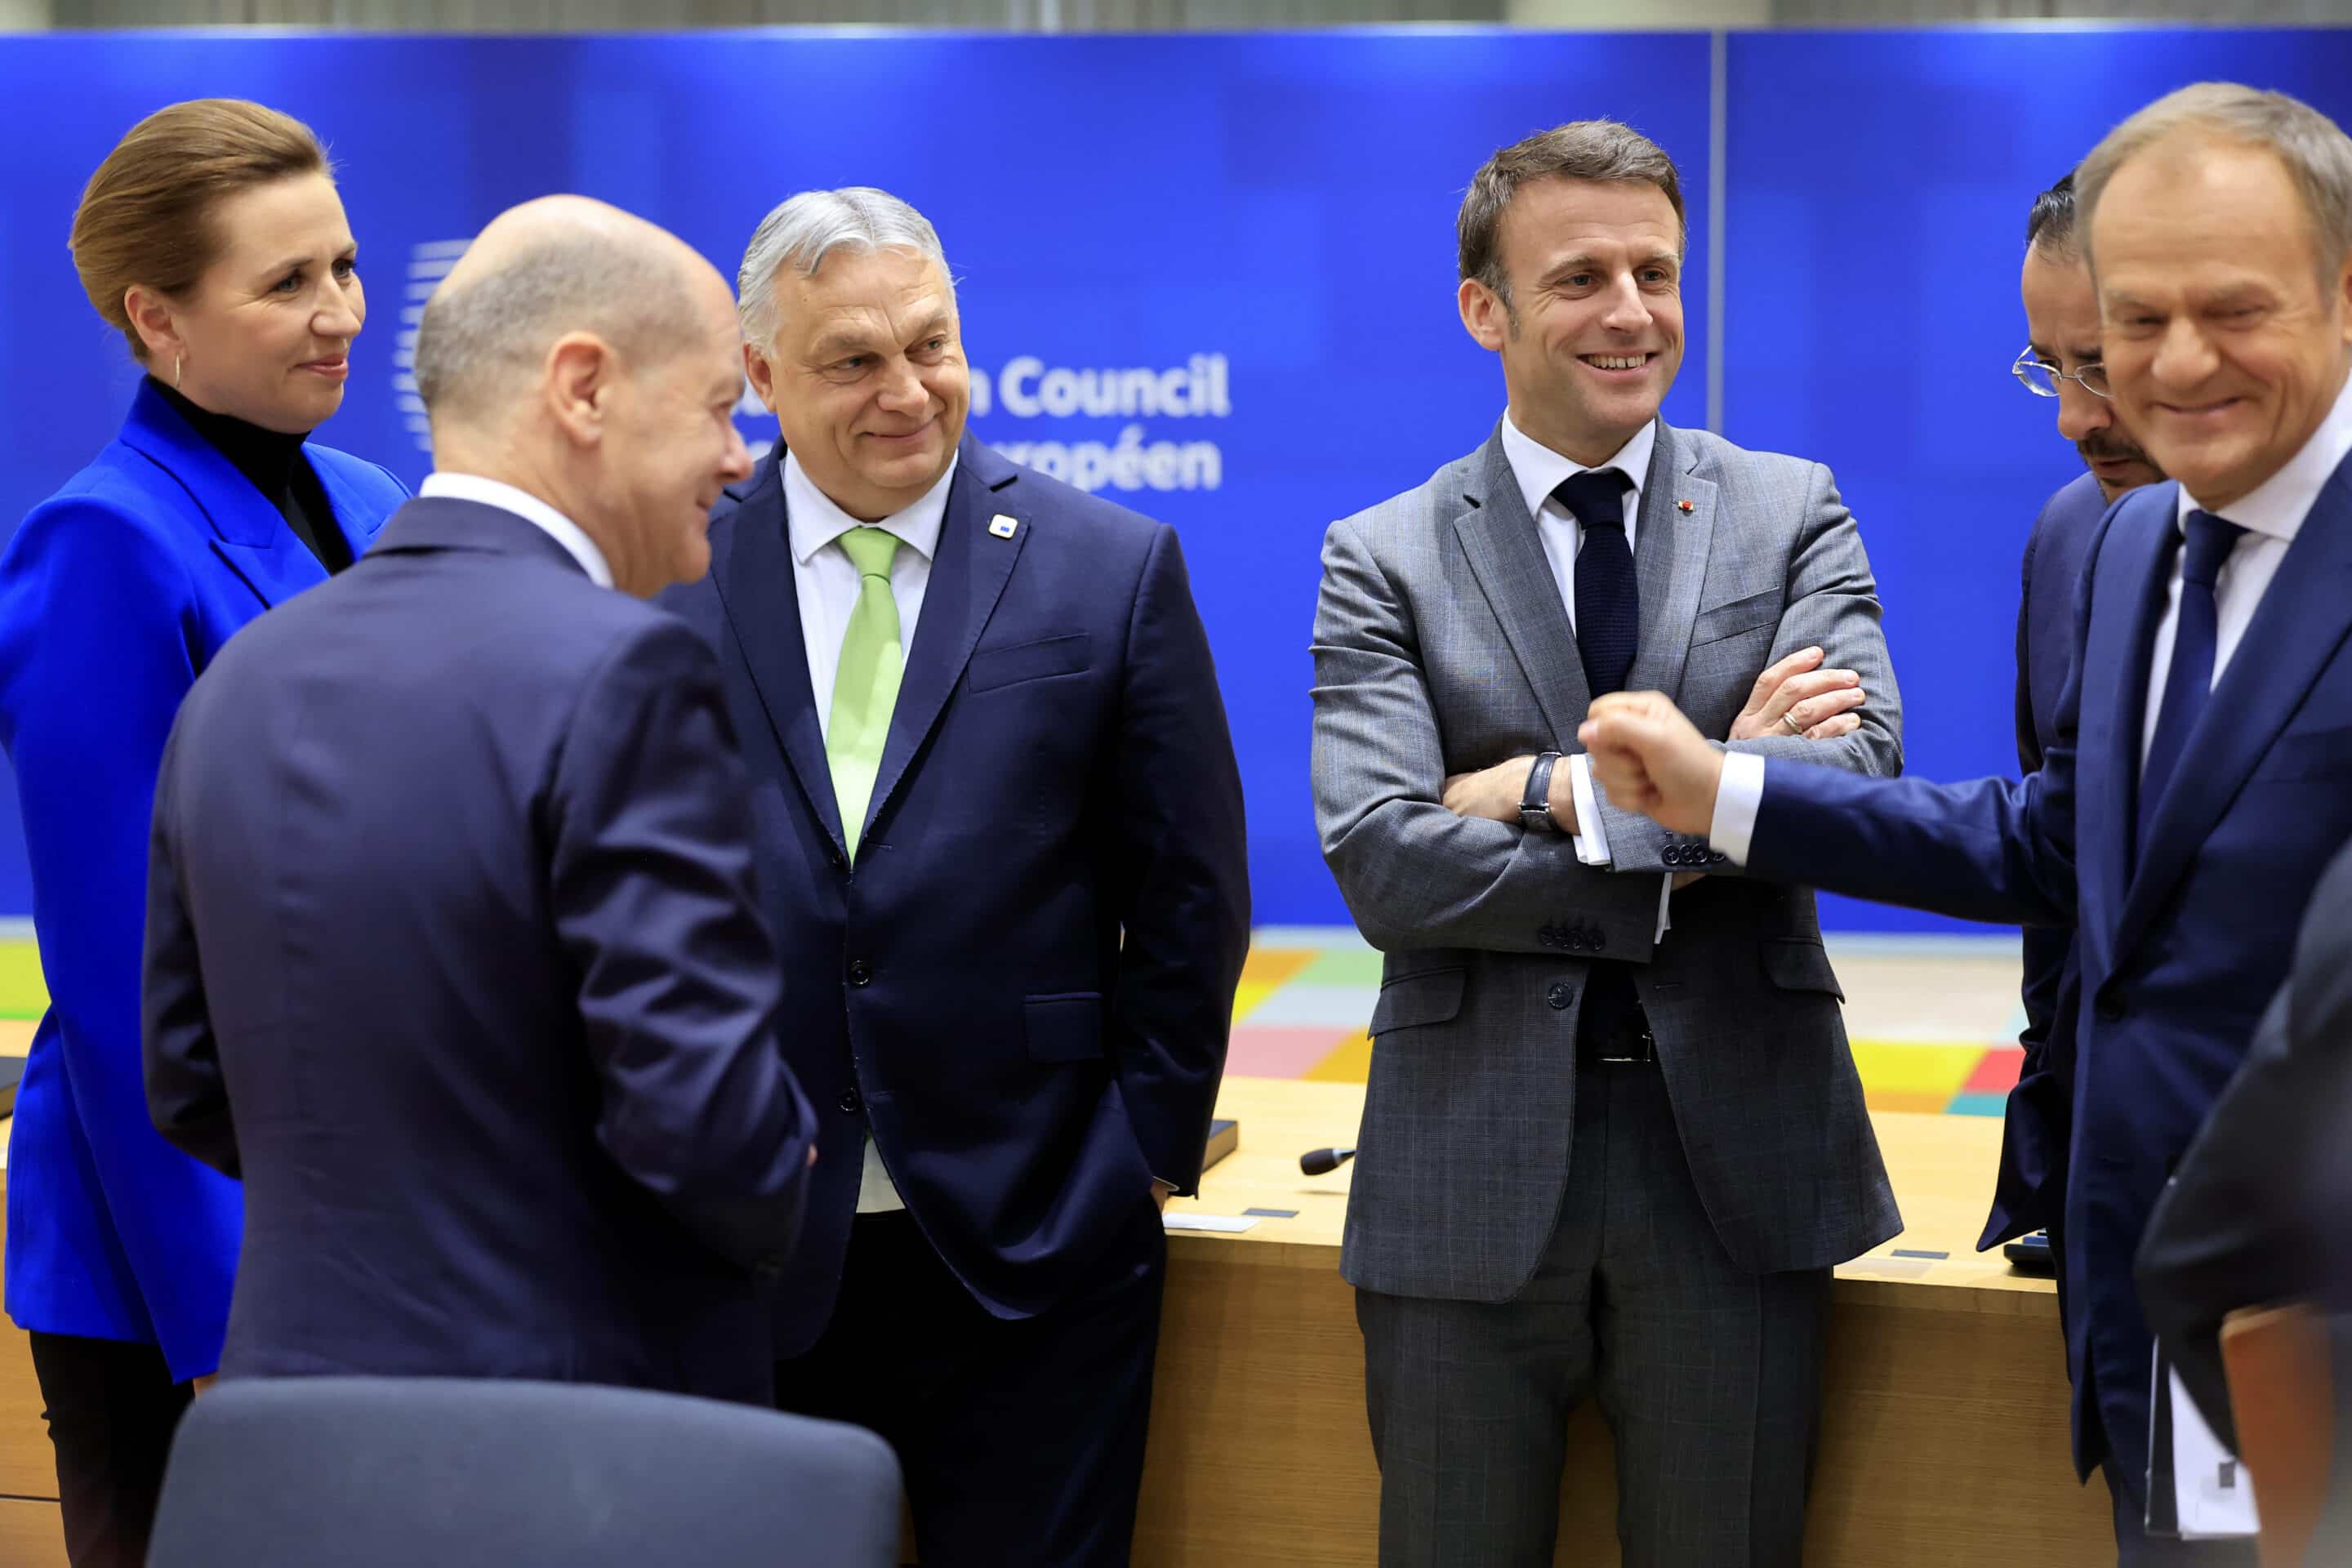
(1427, 859)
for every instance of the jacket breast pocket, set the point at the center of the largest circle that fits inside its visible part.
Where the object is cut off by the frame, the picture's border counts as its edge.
(1755, 613)
(2308, 754)
(1432, 996)
(1063, 1027)
(1800, 963)
(994, 667)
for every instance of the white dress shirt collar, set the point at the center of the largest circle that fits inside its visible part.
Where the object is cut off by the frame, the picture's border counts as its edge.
(527, 507)
(1539, 470)
(814, 521)
(2278, 505)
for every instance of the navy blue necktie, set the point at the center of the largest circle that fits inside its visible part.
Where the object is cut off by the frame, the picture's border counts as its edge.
(1608, 605)
(2191, 679)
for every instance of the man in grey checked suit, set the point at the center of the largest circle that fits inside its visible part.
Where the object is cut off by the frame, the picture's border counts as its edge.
(1613, 1139)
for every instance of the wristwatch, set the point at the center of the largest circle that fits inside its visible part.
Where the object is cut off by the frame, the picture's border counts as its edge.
(1535, 806)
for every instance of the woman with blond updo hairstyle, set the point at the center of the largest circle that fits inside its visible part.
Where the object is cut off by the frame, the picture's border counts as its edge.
(212, 239)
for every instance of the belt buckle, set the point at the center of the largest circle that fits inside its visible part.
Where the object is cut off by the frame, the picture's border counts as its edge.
(1649, 1052)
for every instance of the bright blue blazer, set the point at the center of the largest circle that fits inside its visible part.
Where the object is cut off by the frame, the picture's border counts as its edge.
(115, 595)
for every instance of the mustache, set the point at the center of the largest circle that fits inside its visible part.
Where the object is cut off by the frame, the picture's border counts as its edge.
(2104, 448)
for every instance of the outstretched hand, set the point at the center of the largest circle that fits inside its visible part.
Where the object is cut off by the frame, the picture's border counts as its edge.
(1652, 759)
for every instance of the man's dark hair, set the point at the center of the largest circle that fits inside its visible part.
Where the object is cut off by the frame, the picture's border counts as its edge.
(2051, 225)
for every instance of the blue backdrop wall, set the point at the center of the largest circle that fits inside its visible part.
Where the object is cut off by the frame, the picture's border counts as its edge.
(1268, 216)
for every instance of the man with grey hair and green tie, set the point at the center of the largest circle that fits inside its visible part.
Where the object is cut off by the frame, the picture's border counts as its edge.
(999, 827)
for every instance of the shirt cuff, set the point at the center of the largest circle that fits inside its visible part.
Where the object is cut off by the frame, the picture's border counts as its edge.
(1737, 797)
(1592, 834)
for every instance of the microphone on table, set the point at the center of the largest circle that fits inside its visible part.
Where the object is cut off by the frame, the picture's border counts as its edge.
(1322, 1162)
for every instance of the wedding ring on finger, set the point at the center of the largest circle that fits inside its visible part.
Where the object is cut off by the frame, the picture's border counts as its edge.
(1790, 719)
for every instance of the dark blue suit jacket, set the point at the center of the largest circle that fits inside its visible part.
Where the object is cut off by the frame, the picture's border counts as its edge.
(2260, 1212)
(453, 955)
(2182, 952)
(1026, 987)
(2027, 1194)
(115, 595)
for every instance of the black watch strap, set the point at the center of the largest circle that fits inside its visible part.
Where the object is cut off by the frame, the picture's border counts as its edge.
(1535, 806)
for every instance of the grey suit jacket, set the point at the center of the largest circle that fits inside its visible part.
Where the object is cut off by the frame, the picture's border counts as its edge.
(1440, 647)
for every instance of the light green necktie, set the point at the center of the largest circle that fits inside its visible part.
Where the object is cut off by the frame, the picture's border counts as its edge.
(866, 683)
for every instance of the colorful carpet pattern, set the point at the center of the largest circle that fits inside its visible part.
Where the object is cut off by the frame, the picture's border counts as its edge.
(1934, 1024)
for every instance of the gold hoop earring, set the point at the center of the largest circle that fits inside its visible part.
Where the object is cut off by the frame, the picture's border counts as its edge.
(179, 364)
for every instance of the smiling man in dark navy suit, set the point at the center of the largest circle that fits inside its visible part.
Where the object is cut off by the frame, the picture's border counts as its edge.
(999, 827)
(2203, 776)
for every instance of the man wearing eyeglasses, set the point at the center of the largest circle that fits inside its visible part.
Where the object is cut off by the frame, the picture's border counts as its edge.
(2062, 363)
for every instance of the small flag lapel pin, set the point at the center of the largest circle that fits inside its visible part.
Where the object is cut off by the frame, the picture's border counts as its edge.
(1002, 526)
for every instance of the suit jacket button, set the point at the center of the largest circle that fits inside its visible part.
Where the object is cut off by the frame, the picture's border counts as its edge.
(832, 857)
(860, 972)
(850, 1102)
(1559, 996)
(1717, 856)
(1600, 942)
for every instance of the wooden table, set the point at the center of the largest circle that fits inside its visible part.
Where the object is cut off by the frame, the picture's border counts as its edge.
(1944, 1426)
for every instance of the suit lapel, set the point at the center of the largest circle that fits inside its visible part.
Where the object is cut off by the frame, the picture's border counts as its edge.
(1670, 552)
(2301, 620)
(1507, 558)
(967, 576)
(2134, 552)
(358, 522)
(752, 567)
(249, 534)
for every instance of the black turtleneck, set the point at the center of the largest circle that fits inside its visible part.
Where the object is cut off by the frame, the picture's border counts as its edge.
(274, 465)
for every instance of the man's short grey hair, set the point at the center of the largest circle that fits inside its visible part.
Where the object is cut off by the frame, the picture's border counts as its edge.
(477, 344)
(2316, 152)
(806, 229)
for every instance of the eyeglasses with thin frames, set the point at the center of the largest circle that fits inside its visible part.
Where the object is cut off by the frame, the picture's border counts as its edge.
(2042, 378)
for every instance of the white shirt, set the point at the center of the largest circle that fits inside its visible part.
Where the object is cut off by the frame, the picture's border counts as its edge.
(826, 581)
(527, 507)
(1539, 471)
(2272, 513)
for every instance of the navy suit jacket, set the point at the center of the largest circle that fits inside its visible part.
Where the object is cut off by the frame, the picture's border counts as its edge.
(2260, 1213)
(115, 595)
(1025, 989)
(2182, 952)
(454, 957)
(2028, 1190)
